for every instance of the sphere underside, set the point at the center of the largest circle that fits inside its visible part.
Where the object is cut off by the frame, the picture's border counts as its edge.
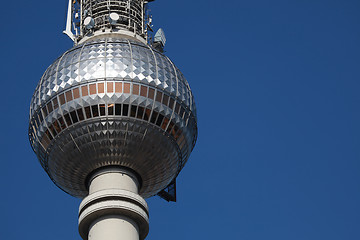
(130, 143)
(112, 102)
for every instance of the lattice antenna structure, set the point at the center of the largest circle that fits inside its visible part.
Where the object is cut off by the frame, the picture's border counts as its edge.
(113, 120)
(88, 18)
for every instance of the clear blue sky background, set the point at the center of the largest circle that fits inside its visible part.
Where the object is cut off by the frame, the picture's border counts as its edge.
(277, 90)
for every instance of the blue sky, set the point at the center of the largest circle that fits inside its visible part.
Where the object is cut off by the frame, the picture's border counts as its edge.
(277, 91)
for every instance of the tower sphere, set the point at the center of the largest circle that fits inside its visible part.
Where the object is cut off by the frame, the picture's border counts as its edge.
(112, 102)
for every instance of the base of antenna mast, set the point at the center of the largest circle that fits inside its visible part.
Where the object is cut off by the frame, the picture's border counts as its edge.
(113, 210)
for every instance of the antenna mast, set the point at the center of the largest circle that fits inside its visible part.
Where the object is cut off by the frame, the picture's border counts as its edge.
(89, 18)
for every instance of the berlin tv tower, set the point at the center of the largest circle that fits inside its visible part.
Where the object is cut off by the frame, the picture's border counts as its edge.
(113, 120)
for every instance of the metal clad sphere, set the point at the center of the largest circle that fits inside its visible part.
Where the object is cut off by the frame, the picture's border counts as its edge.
(112, 101)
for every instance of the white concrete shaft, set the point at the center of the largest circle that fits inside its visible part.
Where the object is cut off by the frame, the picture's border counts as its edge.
(113, 218)
(114, 227)
(113, 178)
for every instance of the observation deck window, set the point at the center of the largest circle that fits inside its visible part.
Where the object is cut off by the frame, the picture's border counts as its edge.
(159, 96)
(57, 126)
(84, 90)
(136, 89)
(111, 109)
(140, 113)
(95, 110)
(165, 123)
(52, 129)
(62, 123)
(76, 93)
(102, 109)
(151, 93)
(74, 117)
(118, 87)
(171, 103)
(126, 87)
(143, 91)
(165, 100)
(147, 114)
(125, 110)
(153, 117)
(110, 87)
(80, 114)
(133, 111)
(101, 88)
(67, 119)
(62, 99)
(69, 96)
(159, 120)
(92, 88)
(118, 109)
(87, 112)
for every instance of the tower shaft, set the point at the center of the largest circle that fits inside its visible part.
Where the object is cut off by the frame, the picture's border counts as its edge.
(113, 210)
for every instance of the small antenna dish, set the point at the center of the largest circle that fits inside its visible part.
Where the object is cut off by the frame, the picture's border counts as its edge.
(113, 18)
(89, 23)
